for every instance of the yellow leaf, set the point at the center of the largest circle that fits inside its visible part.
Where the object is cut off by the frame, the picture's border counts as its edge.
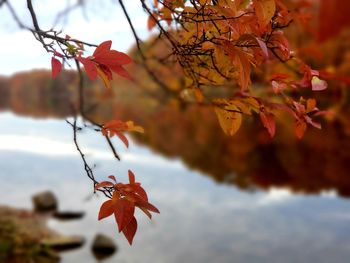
(166, 15)
(253, 103)
(243, 107)
(104, 78)
(265, 10)
(230, 121)
(132, 127)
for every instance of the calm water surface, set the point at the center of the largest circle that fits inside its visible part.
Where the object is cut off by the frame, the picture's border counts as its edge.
(201, 221)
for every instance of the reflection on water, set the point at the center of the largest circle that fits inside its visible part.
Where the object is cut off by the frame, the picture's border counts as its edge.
(201, 220)
(248, 160)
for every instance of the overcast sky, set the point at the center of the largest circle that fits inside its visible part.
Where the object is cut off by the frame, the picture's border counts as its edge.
(97, 22)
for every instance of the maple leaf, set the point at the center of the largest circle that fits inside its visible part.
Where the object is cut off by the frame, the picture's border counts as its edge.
(56, 67)
(125, 198)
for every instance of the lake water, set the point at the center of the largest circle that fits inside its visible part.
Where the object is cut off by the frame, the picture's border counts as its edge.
(201, 221)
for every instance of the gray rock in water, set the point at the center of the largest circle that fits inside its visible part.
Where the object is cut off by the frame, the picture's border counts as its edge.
(45, 201)
(103, 246)
(63, 242)
(68, 215)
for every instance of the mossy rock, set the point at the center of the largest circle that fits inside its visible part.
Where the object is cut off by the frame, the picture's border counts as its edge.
(20, 235)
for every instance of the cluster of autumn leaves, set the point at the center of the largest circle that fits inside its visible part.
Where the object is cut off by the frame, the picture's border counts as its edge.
(219, 42)
(102, 63)
(125, 198)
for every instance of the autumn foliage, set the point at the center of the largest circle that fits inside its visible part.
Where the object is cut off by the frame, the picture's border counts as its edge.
(123, 202)
(117, 127)
(238, 46)
(214, 43)
(225, 43)
(102, 63)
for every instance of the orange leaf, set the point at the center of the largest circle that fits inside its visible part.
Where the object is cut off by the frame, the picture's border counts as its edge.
(148, 206)
(268, 120)
(130, 230)
(265, 10)
(112, 177)
(123, 212)
(243, 65)
(106, 210)
(116, 127)
(300, 128)
(310, 105)
(132, 127)
(131, 177)
(229, 121)
(123, 138)
(146, 212)
(124, 199)
(281, 42)
(151, 23)
(241, 61)
(139, 191)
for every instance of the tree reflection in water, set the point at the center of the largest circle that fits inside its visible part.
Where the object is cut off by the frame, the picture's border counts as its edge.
(319, 162)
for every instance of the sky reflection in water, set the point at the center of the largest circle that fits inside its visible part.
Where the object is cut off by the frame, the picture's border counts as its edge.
(200, 220)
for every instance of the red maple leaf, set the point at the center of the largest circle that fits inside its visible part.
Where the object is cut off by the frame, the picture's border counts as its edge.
(56, 67)
(104, 61)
